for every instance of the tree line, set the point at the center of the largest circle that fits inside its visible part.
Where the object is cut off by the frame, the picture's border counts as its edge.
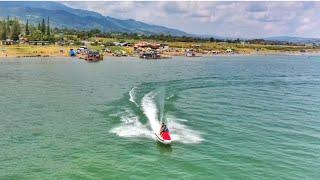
(85, 34)
(41, 32)
(13, 28)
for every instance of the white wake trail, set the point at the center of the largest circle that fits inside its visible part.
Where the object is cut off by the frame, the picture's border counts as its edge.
(150, 110)
(131, 125)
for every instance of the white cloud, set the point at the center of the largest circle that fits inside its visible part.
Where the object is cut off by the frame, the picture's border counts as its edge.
(245, 19)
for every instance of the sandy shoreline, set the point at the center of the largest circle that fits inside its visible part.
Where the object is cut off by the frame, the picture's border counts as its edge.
(127, 57)
(25, 51)
(198, 55)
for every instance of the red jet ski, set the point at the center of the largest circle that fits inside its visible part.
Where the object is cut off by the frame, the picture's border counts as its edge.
(164, 135)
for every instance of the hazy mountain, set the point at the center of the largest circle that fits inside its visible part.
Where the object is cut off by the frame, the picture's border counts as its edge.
(64, 16)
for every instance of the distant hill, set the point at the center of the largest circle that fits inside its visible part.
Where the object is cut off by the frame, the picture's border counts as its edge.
(293, 39)
(65, 17)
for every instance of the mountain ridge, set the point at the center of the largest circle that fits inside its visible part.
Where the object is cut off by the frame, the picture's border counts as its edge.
(63, 16)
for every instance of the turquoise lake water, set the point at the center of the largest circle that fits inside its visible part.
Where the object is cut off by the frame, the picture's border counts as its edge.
(230, 118)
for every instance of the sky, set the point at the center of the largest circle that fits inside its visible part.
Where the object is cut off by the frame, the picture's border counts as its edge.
(225, 19)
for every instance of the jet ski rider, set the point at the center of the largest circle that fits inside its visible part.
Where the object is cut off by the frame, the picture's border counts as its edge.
(163, 129)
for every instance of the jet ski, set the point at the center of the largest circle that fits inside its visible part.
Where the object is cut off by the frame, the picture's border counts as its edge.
(164, 137)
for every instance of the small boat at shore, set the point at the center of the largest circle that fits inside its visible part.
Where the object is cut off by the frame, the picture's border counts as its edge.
(93, 56)
(153, 55)
(149, 55)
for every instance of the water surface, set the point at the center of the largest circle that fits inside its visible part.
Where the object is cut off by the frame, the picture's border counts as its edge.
(230, 118)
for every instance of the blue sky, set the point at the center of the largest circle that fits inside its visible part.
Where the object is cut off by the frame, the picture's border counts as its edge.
(228, 19)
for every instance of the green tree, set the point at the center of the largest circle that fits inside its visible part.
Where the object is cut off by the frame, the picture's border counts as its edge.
(27, 28)
(4, 30)
(36, 35)
(43, 26)
(48, 27)
(95, 31)
(39, 27)
(16, 30)
(8, 27)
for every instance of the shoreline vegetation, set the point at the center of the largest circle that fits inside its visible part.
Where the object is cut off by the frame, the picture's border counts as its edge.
(21, 39)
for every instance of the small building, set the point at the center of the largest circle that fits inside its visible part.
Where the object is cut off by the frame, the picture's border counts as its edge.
(190, 53)
(243, 43)
(146, 45)
(142, 44)
(303, 51)
(39, 43)
(85, 43)
(120, 44)
(229, 50)
(116, 43)
(164, 46)
(148, 50)
(215, 52)
(8, 42)
(196, 45)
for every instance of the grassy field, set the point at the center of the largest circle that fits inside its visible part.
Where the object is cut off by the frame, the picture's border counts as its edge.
(32, 50)
(241, 48)
(222, 47)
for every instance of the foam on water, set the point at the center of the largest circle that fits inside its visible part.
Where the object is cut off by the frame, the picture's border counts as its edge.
(132, 94)
(182, 133)
(170, 97)
(132, 127)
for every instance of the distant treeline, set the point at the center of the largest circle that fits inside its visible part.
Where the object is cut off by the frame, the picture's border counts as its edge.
(12, 28)
(86, 34)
